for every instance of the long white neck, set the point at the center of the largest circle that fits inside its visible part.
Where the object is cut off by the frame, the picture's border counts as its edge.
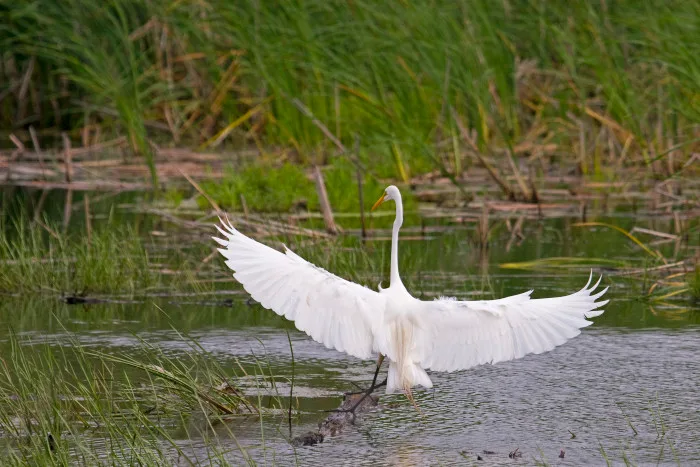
(395, 278)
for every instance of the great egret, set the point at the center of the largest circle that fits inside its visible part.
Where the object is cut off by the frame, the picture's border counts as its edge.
(441, 335)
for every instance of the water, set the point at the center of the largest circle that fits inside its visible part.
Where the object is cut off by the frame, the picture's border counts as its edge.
(626, 388)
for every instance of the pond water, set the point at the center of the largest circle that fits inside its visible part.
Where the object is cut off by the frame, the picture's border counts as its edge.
(626, 389)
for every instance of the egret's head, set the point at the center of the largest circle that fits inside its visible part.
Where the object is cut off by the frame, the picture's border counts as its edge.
(391, 192)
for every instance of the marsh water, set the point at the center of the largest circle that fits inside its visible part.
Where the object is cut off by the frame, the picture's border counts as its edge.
(625, 390)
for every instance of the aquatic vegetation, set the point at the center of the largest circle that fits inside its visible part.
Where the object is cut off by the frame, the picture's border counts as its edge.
(111, 259)
(67, 405)
(662, 278)
(567, 263)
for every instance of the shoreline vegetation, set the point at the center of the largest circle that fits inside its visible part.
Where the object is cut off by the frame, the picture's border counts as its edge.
(69, 405)
(400, 90)
(112, 262)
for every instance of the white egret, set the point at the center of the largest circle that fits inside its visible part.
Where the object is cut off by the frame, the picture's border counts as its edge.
(440, 335)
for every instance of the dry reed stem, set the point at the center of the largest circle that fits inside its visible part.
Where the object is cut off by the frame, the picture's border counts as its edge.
(518, 176)
(203, 193)
(244, 205)
(67, 211)
(48, 229)
(507, 190)
(35, 139)
(67, 157)
(121, 141)
(97, 185)
(324, 202)
(88, 221)
(218, 138)
(483, 227)
(654, 233)
(40, 204)
(16, 141)
(324, 129)
(516, 233)
(534, 197)
(608, 122)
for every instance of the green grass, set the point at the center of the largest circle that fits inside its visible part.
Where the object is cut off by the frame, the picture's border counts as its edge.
(694, 283)
(595, 84)
(72, 406)
(112, 260)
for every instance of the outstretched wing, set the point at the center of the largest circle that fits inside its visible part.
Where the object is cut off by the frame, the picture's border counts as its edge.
(335, 312)
(456, 335)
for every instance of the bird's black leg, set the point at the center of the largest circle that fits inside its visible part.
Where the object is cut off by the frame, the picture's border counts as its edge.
(380, 360)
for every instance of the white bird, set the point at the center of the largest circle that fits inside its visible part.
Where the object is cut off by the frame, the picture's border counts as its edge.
(440, 335)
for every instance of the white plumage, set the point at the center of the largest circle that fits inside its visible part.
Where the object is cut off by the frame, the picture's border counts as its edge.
(440, 335)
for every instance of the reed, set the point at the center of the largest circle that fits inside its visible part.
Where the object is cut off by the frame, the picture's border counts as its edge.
(112, 259)
(598, 85)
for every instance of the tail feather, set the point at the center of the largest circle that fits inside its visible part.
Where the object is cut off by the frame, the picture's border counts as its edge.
(403, 378)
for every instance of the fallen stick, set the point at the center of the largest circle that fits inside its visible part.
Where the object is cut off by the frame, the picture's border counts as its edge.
(97, 185)
(632, 272)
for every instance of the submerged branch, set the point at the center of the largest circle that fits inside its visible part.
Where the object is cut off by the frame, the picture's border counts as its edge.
(338, 420)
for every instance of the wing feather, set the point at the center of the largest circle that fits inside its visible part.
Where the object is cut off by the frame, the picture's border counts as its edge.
(335, 312)
(456, 335)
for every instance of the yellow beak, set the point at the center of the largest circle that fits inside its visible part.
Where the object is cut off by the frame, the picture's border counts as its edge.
(379, 201)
